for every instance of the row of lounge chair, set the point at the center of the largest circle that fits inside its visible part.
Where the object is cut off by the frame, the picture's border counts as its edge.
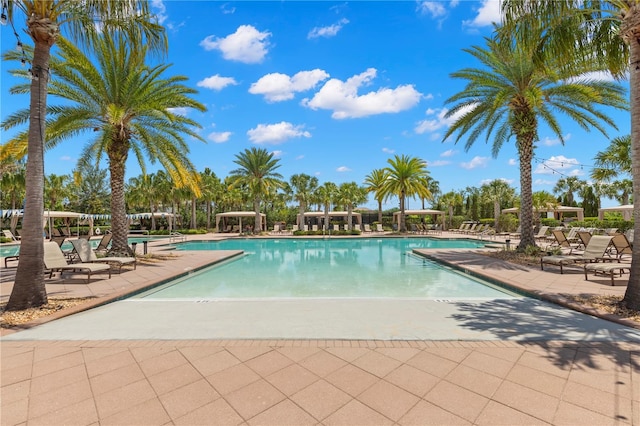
(603, 254)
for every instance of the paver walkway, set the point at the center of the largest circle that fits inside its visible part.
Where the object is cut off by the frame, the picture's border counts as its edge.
(351, 382)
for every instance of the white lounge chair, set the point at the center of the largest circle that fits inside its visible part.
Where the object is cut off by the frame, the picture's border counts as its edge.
(608, 269)
(86, 255)
(54, 260)
(379, 227)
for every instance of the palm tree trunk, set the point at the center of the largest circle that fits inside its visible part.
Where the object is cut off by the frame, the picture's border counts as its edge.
(208, 215)
(380, 212)
(326, 212)
(258, 222)
(119, 226)
(403, 221)
(29, 288)
(525, 148)
(496, 214)
(193, 213)
(632, 294)
(349, 214)
(301, 209)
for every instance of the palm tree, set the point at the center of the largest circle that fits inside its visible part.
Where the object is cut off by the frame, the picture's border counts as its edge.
(12, 186)
(141, 121)
(211, 191)
(257, 173)
(374, 183)
(606, 35)
(44, 18)
(407, 178)
(451, 200)
(614, 160)
(512, 93)
(92, 194)
(565, 187)
(498, 192)
(302, 187)
(56, 190)
(350, 195)
(325, 195)
(542, 201)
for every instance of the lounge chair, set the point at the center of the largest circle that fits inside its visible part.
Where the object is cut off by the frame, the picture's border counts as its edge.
(608, 269)
(86, 255)
(294, 228)
(560, 240)
(594, 252)
(584, 237)
(621, 245)
(54, 260)
(103, 245)
(314, 228)
(8, 234)
(336, 227)
(379, 227)
(367, 228)
(542, 233)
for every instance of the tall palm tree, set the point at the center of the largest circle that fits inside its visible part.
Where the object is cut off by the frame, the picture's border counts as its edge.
(542, 201)
(302, 187)
(512, 93)
(498, 192)
(44, 20)
(350, 194)
(91, 193)
(127, 105)
(606, 35)
(565, 187)
(407, 178)
(257, 173)
(374, 183)
(325, 195)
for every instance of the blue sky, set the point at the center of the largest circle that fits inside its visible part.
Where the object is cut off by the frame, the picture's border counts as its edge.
(334, 89)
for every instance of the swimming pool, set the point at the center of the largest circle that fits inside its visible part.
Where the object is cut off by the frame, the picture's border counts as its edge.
(327, 268)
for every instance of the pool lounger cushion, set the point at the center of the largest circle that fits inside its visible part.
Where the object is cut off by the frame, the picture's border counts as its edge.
(610, 269)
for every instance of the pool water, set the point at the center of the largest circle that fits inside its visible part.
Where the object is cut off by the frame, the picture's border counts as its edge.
(305, 268)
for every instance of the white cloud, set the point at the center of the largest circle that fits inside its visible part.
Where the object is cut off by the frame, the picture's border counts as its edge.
(512, 162)
(227, 10)
(160, 10)
(547, 141)
(246, 45)
(276, 133)
(219, 137)
(388, 150)
(475, 163)
(280, 87)
(65, 158)
(439, 120)
(342, 97)
(543, 182)
(343, 169)
(277, 153)
(448, 153)
(300, 157)
(178, 111)
(434, 8)
(556, 164)
(438, 163)
(329, 31)
(488, 14)
(215, 82)
(487, 181)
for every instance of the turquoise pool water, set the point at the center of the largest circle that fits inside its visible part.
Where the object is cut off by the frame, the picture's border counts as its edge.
(303, 268)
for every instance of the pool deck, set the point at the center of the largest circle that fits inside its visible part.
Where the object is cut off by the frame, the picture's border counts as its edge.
(321, 381)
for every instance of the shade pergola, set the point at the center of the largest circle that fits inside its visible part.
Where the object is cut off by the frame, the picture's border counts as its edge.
(626, 210)
(342, 214)
(425, 212)
(559, 210)
(239, 215)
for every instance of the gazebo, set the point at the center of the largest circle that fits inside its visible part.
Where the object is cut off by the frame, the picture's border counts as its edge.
(557, 210)
(426, 212)
(626, 210)
(239, 215)
(342, 214)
